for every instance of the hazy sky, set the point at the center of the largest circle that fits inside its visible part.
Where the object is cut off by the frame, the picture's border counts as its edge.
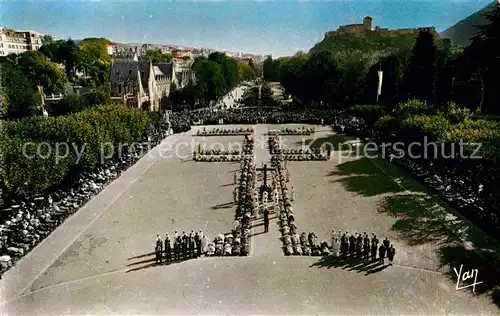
(278, 27)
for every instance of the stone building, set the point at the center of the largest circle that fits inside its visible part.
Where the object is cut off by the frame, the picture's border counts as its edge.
(360, 29)
(17, 42)
(183, 72)
(137, 82)
(355, 28)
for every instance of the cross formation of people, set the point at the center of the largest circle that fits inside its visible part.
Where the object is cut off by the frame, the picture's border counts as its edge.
(246, 197)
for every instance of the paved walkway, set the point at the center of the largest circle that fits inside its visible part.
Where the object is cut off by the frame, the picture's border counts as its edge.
(265, 243)
(230, 99)
(261, 151)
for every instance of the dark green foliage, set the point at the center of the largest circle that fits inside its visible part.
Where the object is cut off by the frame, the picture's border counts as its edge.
(90, 57)
(394, 69)
(367, 47)
(421, 81)
(228, 66)
(42, 71)
(74, 103)
(271, 69)
(215, 77)
(19, 97)
(156, 56)
(370, 113)
(92, 128)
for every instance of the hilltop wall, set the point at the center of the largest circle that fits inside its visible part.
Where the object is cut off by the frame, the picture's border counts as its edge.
(361, 29)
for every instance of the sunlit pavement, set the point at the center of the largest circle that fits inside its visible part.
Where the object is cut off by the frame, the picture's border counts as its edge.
(100, 261)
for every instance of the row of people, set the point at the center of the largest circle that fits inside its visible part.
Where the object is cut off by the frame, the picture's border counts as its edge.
(181, 247)
(361, 246)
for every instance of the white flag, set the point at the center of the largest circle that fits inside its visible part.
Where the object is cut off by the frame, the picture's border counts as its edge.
(380, 76)
(40, 90)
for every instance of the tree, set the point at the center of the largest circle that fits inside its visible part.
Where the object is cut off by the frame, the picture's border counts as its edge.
(97, 48)
(422, 74)
(229, 68)
(320, 77)
(90, 58)
(71, 103)
(20, 98)
(210, 80)
(245, 71)
(352, 75)
(290, 74)
(251, 64)
(446, 64)
(395, 68)
(156, 56)
(53, 51)
(489, 67)
(42, 71)
(47, 39)
(271, 69)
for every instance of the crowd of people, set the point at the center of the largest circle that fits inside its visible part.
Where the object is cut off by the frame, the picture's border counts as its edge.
(312, 154)
(224, 131)
(254, 115)
(245, 195)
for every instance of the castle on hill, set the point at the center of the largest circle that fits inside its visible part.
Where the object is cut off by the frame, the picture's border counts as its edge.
(358, 29)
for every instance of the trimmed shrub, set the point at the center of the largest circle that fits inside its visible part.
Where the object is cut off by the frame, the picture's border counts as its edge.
(40, 152)
(414, 107)
(418, 126)
(456, 114)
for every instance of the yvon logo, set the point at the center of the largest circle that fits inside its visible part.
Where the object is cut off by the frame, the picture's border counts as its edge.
(461, 278)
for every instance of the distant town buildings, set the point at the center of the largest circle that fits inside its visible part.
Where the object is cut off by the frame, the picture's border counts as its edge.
(181, 54)
(366, 26)
(245, 57)
(17, 42)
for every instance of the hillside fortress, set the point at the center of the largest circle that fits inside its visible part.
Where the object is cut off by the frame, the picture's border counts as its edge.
(359, 29)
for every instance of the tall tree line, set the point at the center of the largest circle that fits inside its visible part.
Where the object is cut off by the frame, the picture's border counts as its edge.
(216, 75)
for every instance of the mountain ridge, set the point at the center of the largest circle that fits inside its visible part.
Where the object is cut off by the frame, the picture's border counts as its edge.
(462, 32)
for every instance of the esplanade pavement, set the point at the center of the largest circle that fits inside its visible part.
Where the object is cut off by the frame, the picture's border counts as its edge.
(101, 260)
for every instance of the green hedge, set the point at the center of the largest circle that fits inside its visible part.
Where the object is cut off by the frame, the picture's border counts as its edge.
(111, 124)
